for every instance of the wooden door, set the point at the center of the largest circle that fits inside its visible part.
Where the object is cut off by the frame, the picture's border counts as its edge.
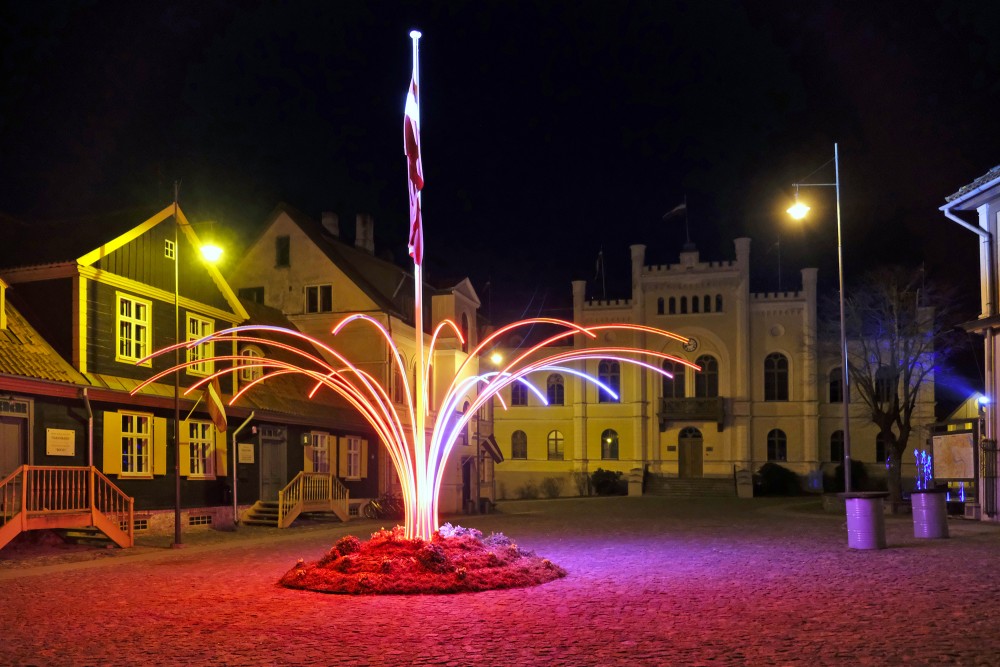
(273, 464)
(12, 444)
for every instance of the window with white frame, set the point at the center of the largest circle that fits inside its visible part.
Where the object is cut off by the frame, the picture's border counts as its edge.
(201, 448)
(137, 444)
(320, 445)
(198, 328)
(133, 325)
(319, 298)
(249, 369)
(353, 458)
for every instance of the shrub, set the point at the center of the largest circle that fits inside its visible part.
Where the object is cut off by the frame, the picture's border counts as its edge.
(528, 490)
(608, 483)
(582, 481)
(777, 480)
(859, 477)
(552, 487)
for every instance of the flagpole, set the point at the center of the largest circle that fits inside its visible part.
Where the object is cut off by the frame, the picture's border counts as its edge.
(423, 483)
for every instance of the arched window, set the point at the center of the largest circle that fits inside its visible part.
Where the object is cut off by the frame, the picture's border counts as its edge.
(673, 387)
(708, 304)
(609, 444)
(555, 389)
(684, 305)
(718, 303)
(689, 432)
(252, 355)
(885, 384)
(609, 374)
(836, 386)
(518, 393)
(881, 447)
(518, 445)
(694, 304)
(659, 306)
(465, 332)
(777, 445)
(837, 446)
(706, 381)
(555, 445)
(672, 305)
(776, 377)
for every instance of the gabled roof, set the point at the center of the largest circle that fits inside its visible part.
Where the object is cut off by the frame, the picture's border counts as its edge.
(385, 283)
(60, 242)
(33, 243)
(976, 187)
(24, 353)
(289, 394)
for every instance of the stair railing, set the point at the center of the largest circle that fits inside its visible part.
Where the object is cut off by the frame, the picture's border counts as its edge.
(109, 501)
(33, 491)
(311, 491)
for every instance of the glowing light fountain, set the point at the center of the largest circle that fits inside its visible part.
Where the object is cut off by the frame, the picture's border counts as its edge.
(420, 460)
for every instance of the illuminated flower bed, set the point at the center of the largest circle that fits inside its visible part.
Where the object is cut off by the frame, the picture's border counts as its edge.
(454, 560)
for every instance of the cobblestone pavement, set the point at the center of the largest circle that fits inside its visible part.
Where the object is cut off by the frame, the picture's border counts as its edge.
(652, 581)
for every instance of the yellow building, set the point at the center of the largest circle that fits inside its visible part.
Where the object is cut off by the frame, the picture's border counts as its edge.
(765, 391)
(307, 271)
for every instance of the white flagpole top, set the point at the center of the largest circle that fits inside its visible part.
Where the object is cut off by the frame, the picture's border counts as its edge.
(415, 34)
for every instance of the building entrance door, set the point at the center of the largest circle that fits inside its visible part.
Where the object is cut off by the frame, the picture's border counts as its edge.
(12, 444)
(273, 443)
(690, 453)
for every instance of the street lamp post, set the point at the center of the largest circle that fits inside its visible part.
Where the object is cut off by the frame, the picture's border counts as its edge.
(798, 211)
(211, 253)
(178, 543)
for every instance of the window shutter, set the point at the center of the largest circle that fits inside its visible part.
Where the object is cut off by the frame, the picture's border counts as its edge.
(307, 463)
(364, 458)
(184, 450)
(221, 453)
(342, 457)
(112, 464)
(159, 445)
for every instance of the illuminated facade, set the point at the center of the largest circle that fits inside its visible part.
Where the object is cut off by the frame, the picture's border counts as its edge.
(307, 271)
(764, 392)
(976, 206)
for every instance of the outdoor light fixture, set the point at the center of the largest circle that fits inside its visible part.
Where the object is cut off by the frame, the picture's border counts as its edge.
(496, 358)
(798, 211)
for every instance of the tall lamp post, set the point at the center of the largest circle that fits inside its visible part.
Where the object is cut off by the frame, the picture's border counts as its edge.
(211, 253)
(798, 211)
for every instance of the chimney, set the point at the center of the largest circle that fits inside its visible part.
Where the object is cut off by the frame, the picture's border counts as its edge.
(331, 223)
(365, 237)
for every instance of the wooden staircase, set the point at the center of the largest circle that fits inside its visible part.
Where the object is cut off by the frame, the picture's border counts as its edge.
(690, 487)
(71, 498)
(313, 494)
(263, 513)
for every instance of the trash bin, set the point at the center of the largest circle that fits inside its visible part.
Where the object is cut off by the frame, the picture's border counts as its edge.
(865, 520)
(930, 513)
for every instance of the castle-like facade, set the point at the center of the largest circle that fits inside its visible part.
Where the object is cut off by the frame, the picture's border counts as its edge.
(767, 389)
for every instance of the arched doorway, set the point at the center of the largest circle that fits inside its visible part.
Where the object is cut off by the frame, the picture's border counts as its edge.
(690, 453)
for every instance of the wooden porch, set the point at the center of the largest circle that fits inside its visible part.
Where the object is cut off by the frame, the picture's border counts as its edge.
(64, 497)
(307, 492)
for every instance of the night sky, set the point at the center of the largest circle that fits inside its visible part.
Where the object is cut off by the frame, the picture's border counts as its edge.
(551, 130)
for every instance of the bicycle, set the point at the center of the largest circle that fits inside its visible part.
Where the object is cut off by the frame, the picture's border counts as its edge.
(386, 506)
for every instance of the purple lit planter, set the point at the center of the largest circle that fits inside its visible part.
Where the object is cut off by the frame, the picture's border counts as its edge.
(865, 519)
(930, 513)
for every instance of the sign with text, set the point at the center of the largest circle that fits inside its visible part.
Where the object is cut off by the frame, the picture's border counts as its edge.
(245, 452)
(953, 456)
(60, 442)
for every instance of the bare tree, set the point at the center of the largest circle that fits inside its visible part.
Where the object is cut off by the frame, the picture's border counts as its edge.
(900, 330)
